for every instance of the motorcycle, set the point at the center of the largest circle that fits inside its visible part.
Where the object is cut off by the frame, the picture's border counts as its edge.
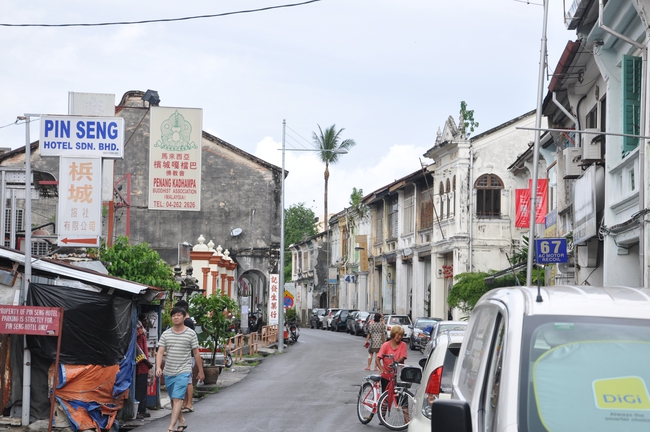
(255, 322)
(292, 332)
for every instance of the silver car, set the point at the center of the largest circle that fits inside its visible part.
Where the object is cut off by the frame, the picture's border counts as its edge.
(436, 380)
(440, 328)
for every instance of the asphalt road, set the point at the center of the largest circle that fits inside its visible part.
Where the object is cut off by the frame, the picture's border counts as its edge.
(312, 386)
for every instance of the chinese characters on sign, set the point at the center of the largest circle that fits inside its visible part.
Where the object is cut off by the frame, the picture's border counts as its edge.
(30, 320)
(175, 159)
(274, 298)
(80, 202)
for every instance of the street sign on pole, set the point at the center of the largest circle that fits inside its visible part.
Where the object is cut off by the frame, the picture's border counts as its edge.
(551, 250)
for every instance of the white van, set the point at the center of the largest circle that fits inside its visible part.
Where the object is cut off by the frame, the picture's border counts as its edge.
(569, 359)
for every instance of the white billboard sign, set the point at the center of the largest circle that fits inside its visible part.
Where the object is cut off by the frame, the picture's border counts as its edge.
(101, 137)
(79, 219)
(175, 158)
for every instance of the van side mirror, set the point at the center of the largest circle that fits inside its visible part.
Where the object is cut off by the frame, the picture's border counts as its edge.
(411, 374)
(422, 363)
(450, 415)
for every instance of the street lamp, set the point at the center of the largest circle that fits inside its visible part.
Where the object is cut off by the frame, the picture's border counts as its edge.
(281, 264)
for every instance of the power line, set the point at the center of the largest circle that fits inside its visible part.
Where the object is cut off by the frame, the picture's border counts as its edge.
(162, 19)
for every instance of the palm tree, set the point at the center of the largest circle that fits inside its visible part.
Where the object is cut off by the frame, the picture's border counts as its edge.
(328, 143)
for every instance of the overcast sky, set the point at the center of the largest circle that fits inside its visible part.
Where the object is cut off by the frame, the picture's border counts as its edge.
(388, 71)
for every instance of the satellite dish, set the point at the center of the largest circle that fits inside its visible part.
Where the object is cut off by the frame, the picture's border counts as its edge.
(235, 232)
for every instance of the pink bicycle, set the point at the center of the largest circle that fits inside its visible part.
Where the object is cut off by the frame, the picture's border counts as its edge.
(394, 406)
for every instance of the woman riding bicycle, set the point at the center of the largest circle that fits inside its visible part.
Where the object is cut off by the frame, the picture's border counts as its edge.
(395, 348)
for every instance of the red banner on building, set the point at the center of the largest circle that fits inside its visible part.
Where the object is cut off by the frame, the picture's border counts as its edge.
(522, 204)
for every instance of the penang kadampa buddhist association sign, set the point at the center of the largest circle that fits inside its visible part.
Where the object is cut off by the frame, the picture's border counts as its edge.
(86, 137)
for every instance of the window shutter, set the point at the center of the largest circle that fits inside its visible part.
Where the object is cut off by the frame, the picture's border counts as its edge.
(631, 101)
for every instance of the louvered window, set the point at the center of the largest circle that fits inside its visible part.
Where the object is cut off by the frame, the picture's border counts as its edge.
(631, 86)
(392, 217)
(426, 209)
(409, 203)
(379, 224)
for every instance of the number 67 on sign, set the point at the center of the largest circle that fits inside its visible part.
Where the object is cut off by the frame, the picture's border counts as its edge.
(550, 250)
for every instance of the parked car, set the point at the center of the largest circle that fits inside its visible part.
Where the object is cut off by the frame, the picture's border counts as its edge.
(437, 373)
(340, 320)
(402, 320)
(315, 319)
(349, 324)
(370, 318)
(327, 321)
(359, 321)
(420, 338)
(564, 358)
(439, 328)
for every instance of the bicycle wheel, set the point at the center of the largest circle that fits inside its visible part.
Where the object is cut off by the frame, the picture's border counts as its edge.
(398, 416)
(365, 403)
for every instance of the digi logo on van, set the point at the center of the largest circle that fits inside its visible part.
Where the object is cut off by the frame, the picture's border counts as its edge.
(626, 393)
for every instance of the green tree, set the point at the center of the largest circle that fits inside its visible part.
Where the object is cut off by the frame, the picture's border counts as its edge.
(299, 224)
(214, 314)
(137, 263)
(470, 286)
(327, 142)
(467, 123)
(356, 203)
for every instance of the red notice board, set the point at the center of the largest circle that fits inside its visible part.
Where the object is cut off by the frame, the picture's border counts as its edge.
(30, 320)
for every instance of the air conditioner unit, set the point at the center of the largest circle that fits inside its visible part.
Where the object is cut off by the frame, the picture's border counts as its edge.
(572, 158)
(591, 147)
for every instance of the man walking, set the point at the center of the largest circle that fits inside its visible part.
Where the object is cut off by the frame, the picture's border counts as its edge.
(179, 343)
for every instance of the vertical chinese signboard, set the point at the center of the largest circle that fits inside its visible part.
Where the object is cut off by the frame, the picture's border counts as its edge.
(274, 298)
(175, 158)
(80, 209)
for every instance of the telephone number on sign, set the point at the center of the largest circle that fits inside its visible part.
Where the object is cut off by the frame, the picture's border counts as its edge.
(178, 204)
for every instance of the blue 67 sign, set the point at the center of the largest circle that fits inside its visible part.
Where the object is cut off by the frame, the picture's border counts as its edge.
(550, 250)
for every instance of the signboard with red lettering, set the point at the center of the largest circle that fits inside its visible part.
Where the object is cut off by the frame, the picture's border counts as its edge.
(30, 320)
(80, 202)
(274, 298)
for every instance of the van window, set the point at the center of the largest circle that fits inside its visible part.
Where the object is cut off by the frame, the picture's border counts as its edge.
(491, 401)
(584, 373)
(451, 357)
(479, 339)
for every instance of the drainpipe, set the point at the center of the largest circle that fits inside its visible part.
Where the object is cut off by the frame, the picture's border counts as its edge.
(470, 188)
(565, 111)
(642, 145)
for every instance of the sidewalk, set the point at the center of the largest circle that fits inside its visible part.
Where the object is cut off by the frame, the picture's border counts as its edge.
(227, 377)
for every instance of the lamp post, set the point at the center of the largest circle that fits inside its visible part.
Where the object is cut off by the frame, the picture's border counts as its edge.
(281, 263)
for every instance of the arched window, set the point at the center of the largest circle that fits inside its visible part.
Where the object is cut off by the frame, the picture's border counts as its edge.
(448, 186)
(488, 196)
(454, 184)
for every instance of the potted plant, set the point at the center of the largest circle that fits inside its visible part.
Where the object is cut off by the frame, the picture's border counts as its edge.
(212, 314)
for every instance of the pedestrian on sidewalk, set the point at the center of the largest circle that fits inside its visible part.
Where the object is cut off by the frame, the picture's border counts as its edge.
(142, 369)
(188, 402)
(375, 337)
(178, 343)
